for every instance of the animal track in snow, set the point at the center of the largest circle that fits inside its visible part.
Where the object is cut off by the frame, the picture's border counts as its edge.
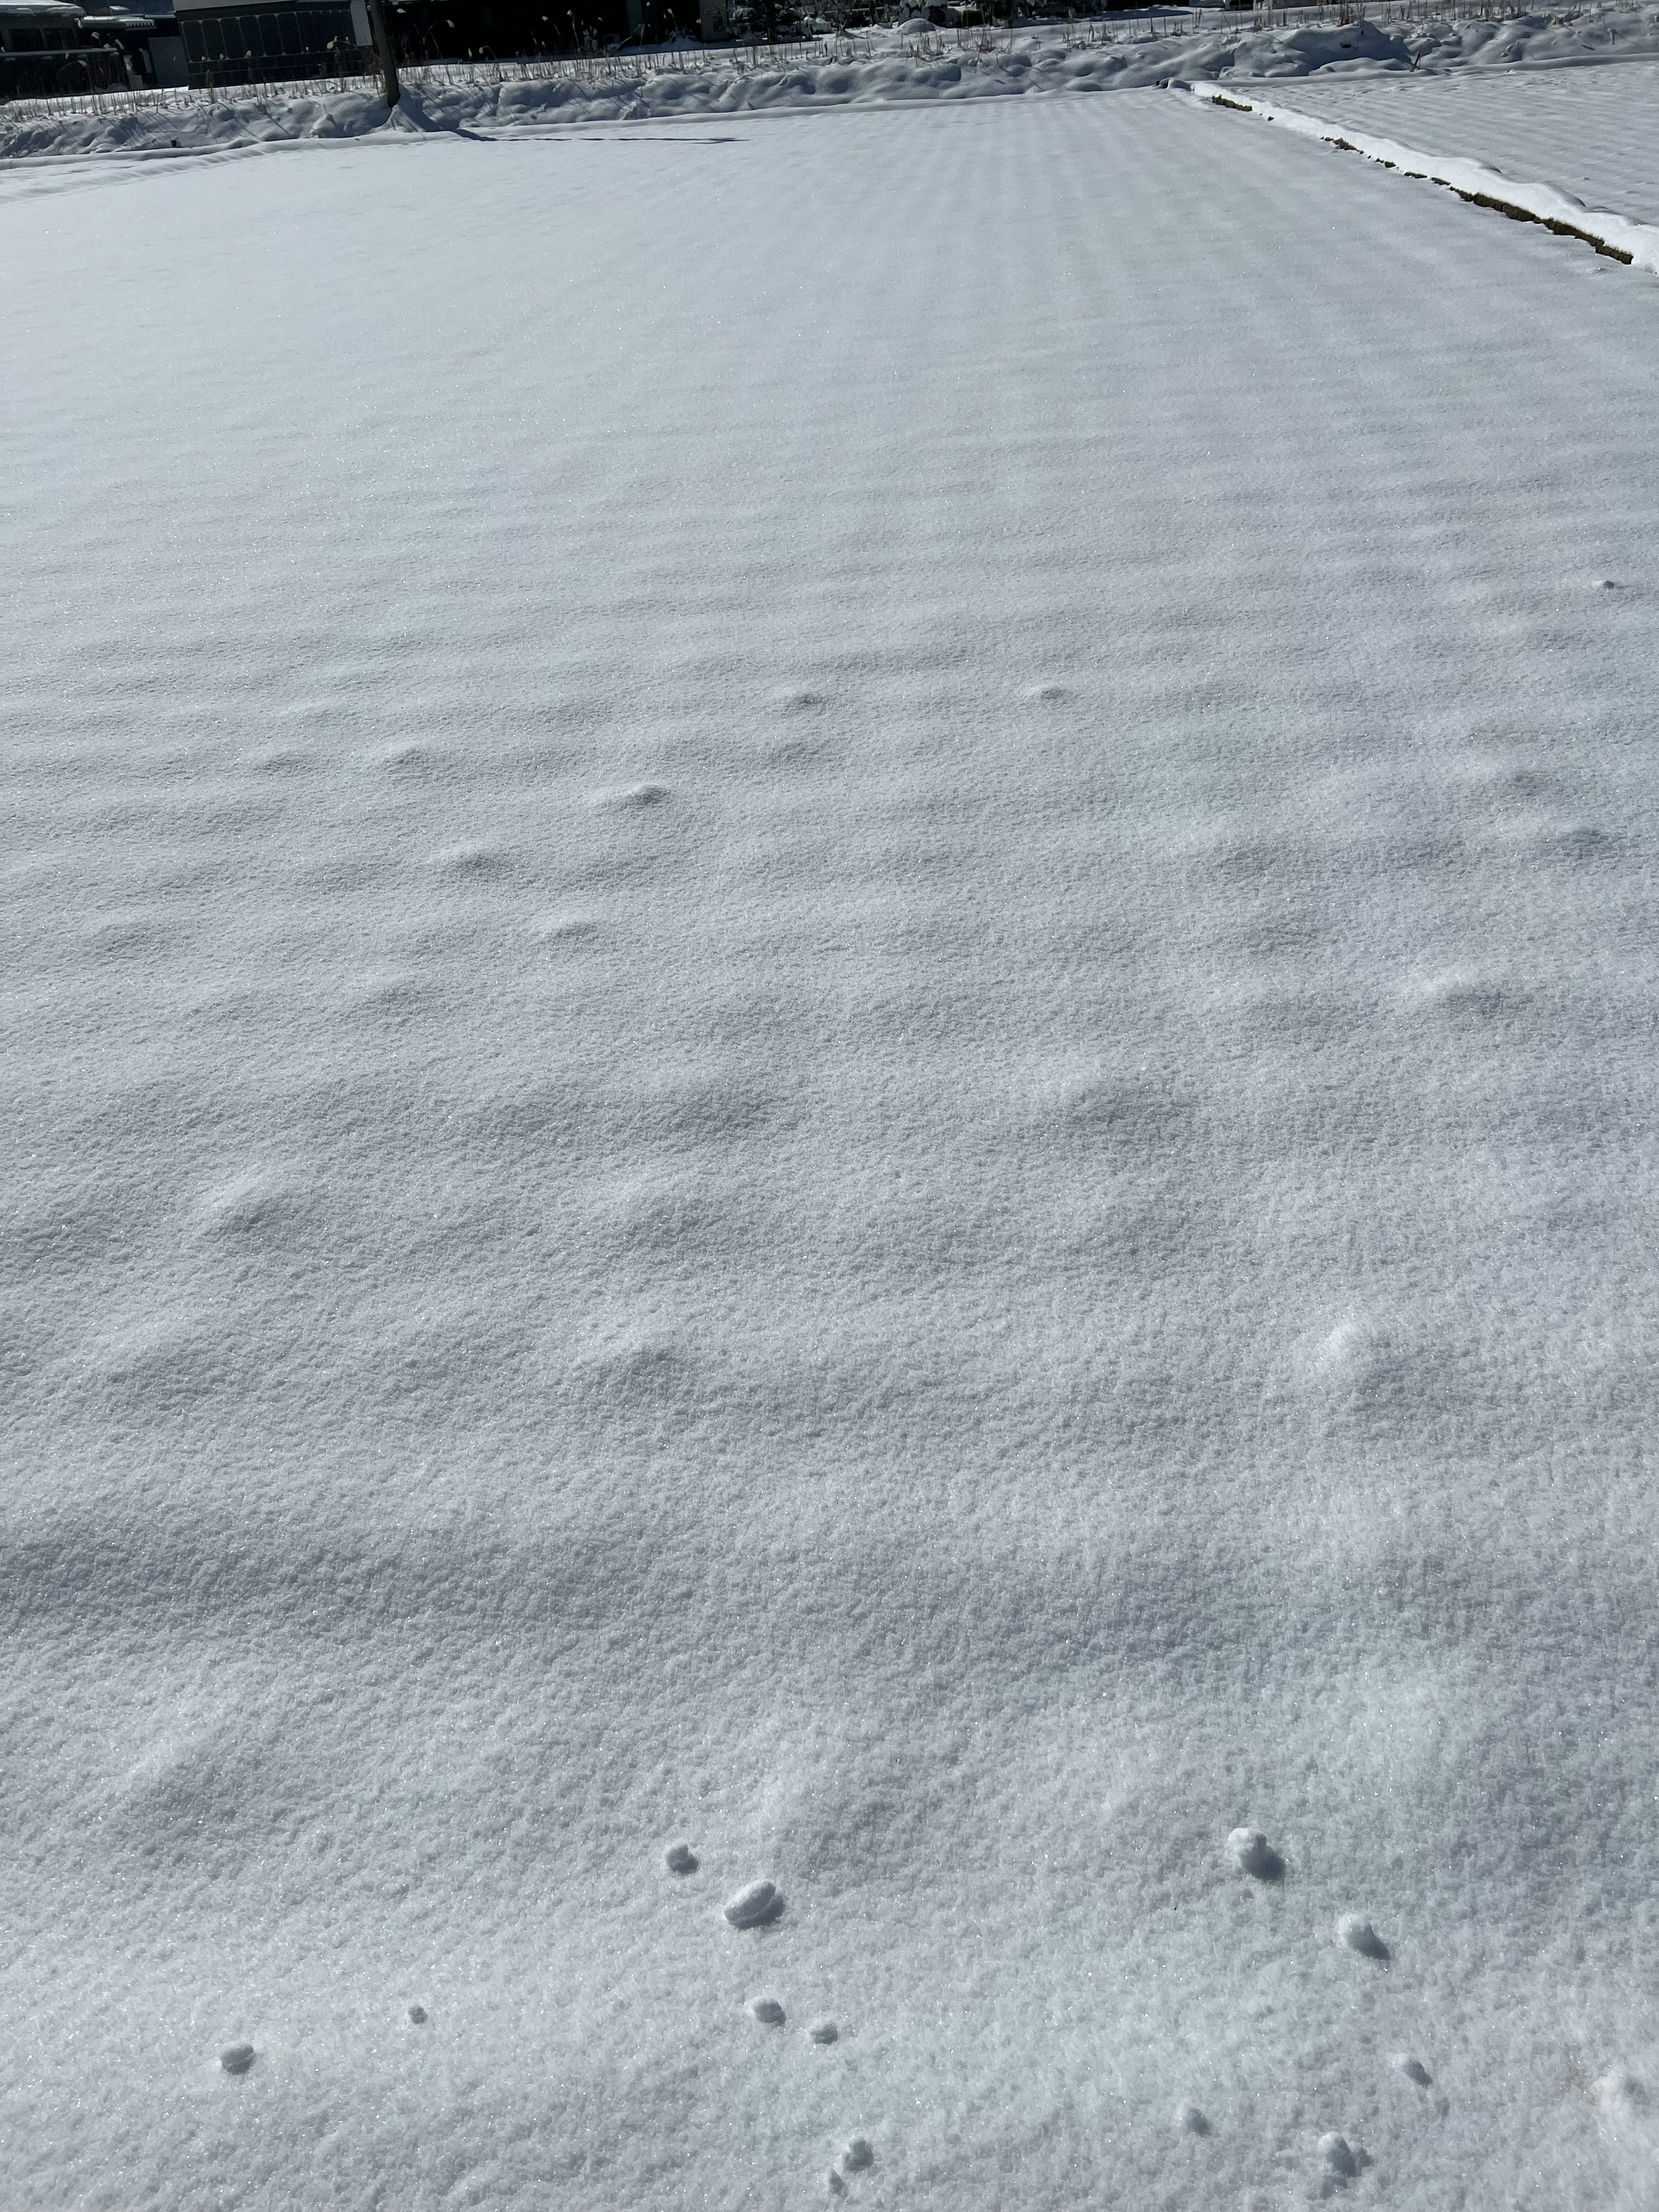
(1193, 2121)
(837, 2186)
(236, 2057)
(857, 2155)
(1356, 1932)
(1463, 994)
(1254, 1856)
(1575, 841)
(1338, 2153)
(825, 2031)
(1620, 2091)
(1414, 2070)
(768, 2011)
(417, 2015)
(680, 1858)
(753, 1904)
(1047, 693)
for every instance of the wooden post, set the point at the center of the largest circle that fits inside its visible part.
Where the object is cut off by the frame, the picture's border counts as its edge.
(381, 34)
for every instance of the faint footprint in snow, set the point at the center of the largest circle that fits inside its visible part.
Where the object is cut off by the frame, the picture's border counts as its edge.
(417, 2015)
(801, 702)
(754, 1905)
(1254, 1856)
(768, 2011)
(680, 1858)
(825, 2031)
(1356, 1933)
(1048, 693)
(1193, 2121)
(236, 2057)
(629, 799)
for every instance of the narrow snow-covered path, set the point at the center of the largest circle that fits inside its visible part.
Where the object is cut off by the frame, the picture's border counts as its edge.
(829, 971)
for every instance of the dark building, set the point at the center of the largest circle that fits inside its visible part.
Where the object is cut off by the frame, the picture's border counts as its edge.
(254, 41)
(52, 47)
(49, 46)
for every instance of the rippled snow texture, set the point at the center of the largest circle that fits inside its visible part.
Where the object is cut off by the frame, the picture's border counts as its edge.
(829, 971)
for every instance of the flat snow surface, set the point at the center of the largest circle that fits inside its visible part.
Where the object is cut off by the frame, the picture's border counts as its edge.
(830, 959)
(1593, 133)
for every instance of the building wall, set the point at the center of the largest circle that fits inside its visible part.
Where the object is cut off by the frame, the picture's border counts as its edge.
(251, 46)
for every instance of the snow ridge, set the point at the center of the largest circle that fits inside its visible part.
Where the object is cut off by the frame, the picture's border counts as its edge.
(1636, 243)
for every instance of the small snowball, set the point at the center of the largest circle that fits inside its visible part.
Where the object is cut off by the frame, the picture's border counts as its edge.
(857, 2155)
(236, 2057)
(1337, 2155)
(1354, 1931)
(1254, 1855)
(757, 1902)
(681, 1859)
(823, 2031)
(769, 2011)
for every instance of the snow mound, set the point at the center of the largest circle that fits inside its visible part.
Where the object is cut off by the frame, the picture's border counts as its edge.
(913, 63)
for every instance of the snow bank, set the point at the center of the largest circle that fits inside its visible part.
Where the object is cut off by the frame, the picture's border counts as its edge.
(874, 71)
(1588, 132)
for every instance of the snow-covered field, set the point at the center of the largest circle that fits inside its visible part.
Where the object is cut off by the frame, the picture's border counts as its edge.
(830, 958)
